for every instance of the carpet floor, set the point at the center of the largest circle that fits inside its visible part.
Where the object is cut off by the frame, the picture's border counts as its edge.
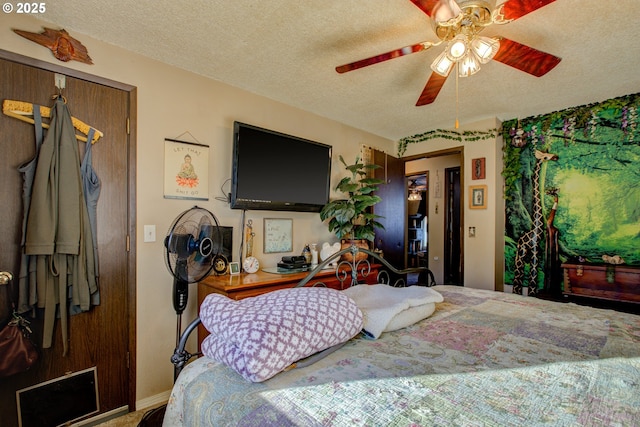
(137, 418)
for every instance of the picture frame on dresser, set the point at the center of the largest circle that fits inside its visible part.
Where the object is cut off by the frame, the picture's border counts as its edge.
(234, 268)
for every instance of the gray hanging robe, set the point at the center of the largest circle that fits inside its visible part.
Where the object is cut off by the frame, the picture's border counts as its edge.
(91, 187)
(56, 225)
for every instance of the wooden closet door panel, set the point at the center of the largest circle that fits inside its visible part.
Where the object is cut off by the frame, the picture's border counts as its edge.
(392, 208)
(99, 337)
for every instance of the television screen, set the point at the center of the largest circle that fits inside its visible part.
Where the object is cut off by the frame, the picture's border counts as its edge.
(274, 171)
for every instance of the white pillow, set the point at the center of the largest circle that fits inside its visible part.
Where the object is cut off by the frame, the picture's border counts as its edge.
(261, 336)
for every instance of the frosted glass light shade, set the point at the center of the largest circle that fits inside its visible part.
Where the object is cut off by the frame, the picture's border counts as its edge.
(469, 65)
(415, 196)
(485, 48)
(442, 64)
(457, 48)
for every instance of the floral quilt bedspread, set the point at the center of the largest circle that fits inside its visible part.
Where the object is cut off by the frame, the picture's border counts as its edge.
(482, 359)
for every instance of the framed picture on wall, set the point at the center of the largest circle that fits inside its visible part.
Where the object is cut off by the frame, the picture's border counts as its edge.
(186, 170)
(478, 197)
(477, 168)
(278, 235)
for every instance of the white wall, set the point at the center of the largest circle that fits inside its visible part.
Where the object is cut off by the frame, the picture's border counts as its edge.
(170, 102)
(482, 253)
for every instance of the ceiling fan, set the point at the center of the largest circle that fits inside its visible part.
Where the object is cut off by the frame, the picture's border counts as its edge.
(458, 25)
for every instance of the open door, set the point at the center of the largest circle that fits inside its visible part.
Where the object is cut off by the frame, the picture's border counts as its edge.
(453, 265)
(392, 208)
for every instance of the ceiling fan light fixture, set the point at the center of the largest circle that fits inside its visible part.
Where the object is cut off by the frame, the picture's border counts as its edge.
(485, 48)
(447, 13)
(469, 65)
(442, 64)
(414, 196)
(457, 47)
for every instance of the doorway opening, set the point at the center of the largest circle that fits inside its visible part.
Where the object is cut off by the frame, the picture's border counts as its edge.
(443, 244)
(417, 220)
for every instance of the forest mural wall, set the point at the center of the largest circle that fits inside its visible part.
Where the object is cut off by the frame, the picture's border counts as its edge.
(572, 189)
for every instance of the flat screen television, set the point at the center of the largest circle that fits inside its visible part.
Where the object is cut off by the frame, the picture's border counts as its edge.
(278, 172)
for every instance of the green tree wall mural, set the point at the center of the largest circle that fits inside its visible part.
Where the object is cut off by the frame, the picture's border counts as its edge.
(596, 179)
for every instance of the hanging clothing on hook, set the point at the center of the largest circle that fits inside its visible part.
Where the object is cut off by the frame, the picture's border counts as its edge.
(22, 110)
(26, 278)
(58, 227)
(91, 187)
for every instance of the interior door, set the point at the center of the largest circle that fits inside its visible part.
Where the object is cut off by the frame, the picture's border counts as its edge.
(453, 266)
(101, 337)
(393, 208)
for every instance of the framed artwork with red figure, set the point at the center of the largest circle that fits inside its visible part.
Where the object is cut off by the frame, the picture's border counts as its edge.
(477, 168)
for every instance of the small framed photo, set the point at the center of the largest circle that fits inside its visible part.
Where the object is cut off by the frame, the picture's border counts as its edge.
(478, 168)
(234, 268)
(478, 197)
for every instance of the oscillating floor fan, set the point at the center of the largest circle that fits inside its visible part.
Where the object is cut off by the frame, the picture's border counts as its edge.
(192, 243)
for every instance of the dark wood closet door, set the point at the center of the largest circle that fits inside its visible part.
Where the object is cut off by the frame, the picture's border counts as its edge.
(100, 337)
(393, 208)
(453, 265)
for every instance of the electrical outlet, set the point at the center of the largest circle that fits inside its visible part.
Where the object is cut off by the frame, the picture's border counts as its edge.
(149, 233)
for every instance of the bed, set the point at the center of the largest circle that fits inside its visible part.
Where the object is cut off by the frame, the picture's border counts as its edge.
(482, 358)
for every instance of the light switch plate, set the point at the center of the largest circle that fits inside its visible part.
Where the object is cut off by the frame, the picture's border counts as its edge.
(149, 233)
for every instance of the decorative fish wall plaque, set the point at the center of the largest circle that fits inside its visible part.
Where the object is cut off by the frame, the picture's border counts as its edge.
(64, 47)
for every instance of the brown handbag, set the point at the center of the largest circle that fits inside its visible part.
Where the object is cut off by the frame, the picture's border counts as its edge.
(18, 352)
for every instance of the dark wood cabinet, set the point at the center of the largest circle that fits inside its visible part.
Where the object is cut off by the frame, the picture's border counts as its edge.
(607, 282)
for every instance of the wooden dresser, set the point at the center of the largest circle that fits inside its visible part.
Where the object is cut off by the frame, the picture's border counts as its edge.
(244, 285)
(608, 282)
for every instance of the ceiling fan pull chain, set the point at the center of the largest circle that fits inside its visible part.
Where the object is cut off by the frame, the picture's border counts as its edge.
(457, 125)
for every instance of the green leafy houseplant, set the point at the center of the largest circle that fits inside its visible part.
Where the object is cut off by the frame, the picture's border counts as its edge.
(351, 217)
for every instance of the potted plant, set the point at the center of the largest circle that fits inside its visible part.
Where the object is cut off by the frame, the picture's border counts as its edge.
(351, 217)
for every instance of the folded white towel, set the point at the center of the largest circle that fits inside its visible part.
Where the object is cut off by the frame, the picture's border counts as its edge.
(384, 306)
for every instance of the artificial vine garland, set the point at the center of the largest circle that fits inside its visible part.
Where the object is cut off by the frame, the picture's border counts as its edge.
(467, 135)
(621, 113)
(616, 113)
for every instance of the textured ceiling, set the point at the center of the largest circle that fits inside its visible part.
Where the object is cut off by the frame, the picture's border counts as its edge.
(287, 50)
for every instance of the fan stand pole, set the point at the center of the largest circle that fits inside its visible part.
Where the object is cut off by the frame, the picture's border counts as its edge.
(178, 329)
(178, 332)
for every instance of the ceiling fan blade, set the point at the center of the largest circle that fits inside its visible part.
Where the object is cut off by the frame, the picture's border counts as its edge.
(525, 58)
(407, 50)
(514, 9)
(431, 90)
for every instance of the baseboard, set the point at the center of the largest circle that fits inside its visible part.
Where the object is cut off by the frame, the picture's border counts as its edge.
(152, 401)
